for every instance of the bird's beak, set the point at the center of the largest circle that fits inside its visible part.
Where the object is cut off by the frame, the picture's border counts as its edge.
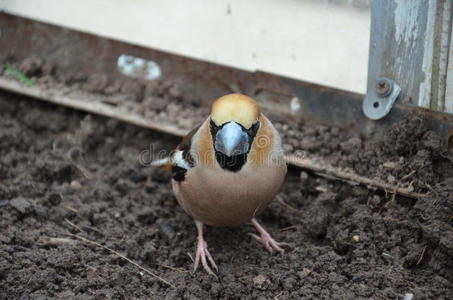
(231, 140)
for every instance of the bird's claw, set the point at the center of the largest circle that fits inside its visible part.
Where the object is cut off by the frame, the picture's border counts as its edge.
(201, 254)
(269, 243)
(266, 239)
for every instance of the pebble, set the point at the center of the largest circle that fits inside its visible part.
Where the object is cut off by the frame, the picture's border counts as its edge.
(304, 273)
(75, 185)
(261, 282)
(21, 204)
(408, 296)
(391, 179)
(390, 165)
(303, 177)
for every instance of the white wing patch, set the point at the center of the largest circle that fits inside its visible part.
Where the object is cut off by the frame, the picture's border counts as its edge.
(178, 160)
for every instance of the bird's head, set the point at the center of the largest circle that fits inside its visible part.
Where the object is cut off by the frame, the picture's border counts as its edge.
(234, 124)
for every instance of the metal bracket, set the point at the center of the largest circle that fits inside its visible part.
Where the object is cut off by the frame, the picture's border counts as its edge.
(379, 101)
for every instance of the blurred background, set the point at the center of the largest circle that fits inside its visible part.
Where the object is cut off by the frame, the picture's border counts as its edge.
(324, 42)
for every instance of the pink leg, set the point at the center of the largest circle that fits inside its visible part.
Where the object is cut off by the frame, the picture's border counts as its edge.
(202, 252)
(266, 239)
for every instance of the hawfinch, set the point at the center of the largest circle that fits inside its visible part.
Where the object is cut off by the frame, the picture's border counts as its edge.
(227, 170)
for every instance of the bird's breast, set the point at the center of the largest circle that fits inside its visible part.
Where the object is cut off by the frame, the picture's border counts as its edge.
(223, 198)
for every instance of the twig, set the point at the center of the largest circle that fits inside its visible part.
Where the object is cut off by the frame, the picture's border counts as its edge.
(278, 296)
(180, 270)
(408, 175)
(121, 256)
(51, 241)
(74, 225)
(288, 228)
(284, 204)
(87, 228)
(329, 171)
(84, 172)
(392, 200)
(117, 254)
(422, 254)
(70, 208)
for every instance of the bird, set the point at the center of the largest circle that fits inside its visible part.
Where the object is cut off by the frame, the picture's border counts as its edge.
(227, 170)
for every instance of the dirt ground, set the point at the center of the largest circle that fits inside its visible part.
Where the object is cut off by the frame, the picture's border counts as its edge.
(64, 172)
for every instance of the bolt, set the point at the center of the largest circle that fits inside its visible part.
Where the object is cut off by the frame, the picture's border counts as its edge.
(384, 87)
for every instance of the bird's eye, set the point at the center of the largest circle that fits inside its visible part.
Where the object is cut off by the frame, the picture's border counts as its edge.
(253, 129)
(214, 127)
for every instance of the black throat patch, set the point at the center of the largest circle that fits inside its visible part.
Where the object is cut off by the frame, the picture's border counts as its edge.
(233, 163)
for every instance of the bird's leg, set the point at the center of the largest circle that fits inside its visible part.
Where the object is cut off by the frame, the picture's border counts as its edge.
(266, 239)
(202, 252)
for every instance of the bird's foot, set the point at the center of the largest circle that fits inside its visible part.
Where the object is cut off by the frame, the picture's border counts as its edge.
(203, 254)
(266, 239)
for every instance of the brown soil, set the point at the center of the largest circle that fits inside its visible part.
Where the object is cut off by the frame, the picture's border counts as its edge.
(60, 167)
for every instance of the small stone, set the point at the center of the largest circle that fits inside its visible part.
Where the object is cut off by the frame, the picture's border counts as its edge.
(321, 189)
(75, 185)
(408, 296)
(261, 282)
(356, 238)
(304, 273)
(21, 204)
(390, 165)
(303, 177)
(391, 179)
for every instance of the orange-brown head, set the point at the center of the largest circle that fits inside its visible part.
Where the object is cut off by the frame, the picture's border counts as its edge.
(235, 107)
(234, 124)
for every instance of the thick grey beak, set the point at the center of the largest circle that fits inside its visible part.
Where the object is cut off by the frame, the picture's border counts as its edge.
(231, 140)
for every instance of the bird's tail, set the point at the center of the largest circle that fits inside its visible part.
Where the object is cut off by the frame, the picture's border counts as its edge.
(164, 163)
(161, 162)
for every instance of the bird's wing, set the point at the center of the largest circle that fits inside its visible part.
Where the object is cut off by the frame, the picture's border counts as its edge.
(181, 159)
